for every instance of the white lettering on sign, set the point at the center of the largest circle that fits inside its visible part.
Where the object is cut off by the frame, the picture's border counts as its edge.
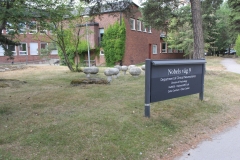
(179, 71)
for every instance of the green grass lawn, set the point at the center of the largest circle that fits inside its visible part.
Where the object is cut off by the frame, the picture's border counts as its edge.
(47, 118)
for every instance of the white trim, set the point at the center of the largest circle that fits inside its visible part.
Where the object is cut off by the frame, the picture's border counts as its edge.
(149, 29)
(33, 48)
(101, 52)
(139, 25)
(23, 52)
(132, 24)
(163, 50)
(154, 49)
(1, 51)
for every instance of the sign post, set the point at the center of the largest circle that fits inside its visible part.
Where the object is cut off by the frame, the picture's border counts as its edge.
(166, 79)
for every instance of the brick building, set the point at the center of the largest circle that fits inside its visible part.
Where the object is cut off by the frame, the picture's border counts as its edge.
(141, 43)
(30, 45)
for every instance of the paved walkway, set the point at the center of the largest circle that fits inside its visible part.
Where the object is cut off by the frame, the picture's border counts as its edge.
(225, 146)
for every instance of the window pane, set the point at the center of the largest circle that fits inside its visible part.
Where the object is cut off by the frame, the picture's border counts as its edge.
(43, 45)
(138, 25)
(132, 24)
(164, 47)
(11, 48)
(23, 49)
(154, 49)
(1, 51)
(33, 48)
(33, 27)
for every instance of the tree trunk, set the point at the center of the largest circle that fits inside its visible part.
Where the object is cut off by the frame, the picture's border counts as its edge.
(197, 29)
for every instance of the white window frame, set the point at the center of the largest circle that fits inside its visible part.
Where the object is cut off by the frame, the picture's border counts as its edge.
(132, 24)
(139, 25)
(164, 50)
(101, 52)
(149, 29)
(154, 49)
(34, 29)
(21, 51)
(33, 48)
(145, 29)
(1, 51)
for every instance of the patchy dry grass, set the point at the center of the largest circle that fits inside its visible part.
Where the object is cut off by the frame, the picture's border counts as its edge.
(47, 118)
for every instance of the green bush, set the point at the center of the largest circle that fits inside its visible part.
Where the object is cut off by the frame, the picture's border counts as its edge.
(114, 43)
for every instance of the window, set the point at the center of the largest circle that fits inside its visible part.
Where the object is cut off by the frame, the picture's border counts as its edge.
(53, 48)
(23, 49)
(139, 25)
(43, 45)
(33, 48)
(1, 51)
(41, 28)
(154, 49)
(9, 28)
(101, 52)
(101, 33)
(12, 48)
(22, 28)
(164, 47)
(132, 24)
(32, 27)
(170, 50)
(149, 29)
(145, 29)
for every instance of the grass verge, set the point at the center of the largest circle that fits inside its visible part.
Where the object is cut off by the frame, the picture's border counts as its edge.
(47, 118)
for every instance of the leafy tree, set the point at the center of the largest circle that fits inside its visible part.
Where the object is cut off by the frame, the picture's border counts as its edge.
(223, 39)
(209, 8)
(180, 33)
(164, 10)
(63, 23)
(45, 53)
(114, 43)
(234, 17)
(237, 45)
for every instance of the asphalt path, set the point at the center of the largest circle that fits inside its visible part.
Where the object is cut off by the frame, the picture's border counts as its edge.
(224, 146)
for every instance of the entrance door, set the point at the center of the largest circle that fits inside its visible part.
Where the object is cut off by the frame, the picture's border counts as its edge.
(149, 51)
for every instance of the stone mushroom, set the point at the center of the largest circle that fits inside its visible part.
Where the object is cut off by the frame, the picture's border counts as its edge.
(119, 68)
(131, 66)
(109, 72)
(124, 69)
(143, 68)
(90, 70)
(135, 71)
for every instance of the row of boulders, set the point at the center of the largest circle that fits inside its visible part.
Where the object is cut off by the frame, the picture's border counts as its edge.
(115, 71)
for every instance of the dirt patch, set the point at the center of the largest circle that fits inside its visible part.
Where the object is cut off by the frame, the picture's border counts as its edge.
(84, 81)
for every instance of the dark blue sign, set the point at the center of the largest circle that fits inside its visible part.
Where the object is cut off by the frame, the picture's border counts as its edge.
(173, 78)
